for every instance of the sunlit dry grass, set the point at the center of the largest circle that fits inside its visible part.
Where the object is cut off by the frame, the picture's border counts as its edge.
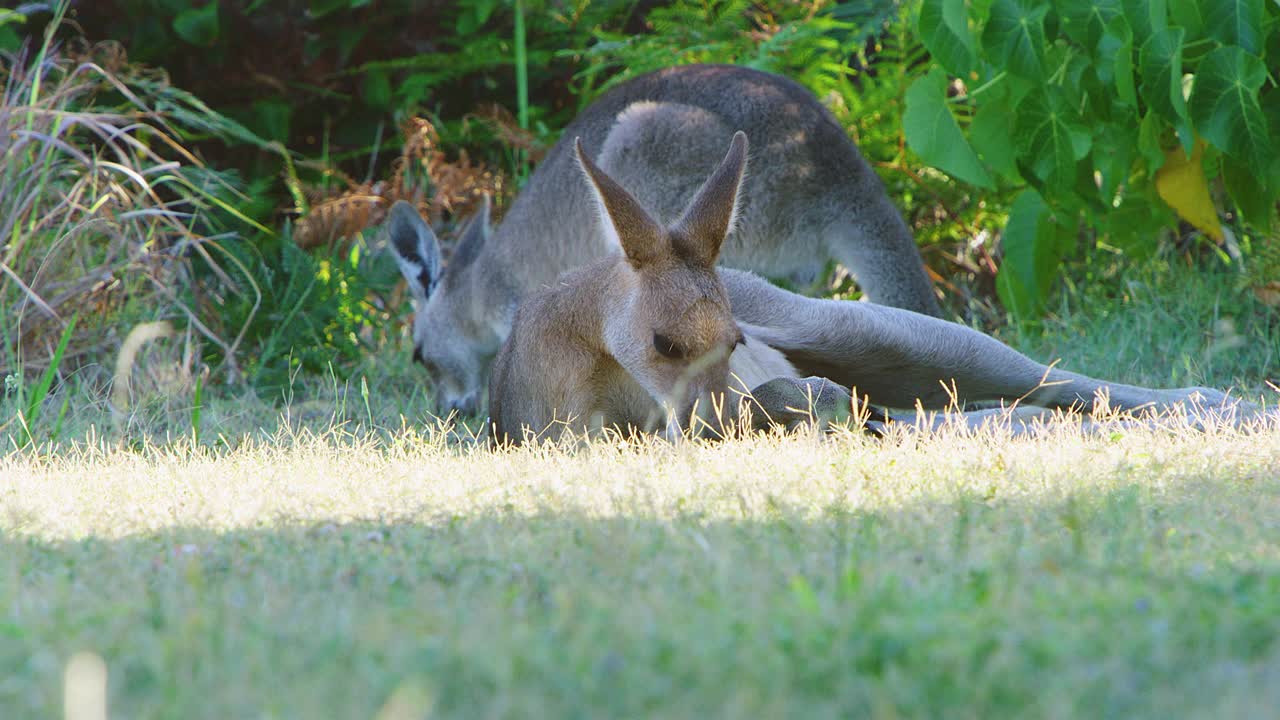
(1134, 574)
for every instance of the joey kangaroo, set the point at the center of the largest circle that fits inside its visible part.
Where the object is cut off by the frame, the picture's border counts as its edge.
(811, 198)
(652, 328)
(659, 334)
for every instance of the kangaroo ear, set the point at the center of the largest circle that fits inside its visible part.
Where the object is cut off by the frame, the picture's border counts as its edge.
(417, 249)
(624, 221)
(473, 236)
(710, 216)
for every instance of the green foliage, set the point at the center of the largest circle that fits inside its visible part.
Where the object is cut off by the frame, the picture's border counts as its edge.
(198, 25)
(33, 405)
(301, 312)
(932, 131)
(1035, 242)
(810, 43)
(327, 78)
(1100, 93)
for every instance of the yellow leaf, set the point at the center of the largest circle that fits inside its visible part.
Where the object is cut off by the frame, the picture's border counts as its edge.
(1181, 184)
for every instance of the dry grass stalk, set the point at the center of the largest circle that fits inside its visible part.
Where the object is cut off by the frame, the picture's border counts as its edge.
(97, 207)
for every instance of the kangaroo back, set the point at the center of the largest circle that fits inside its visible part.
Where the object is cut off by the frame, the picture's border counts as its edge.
(810, 198)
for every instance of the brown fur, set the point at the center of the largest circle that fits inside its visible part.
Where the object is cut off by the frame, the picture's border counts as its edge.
(631, 340)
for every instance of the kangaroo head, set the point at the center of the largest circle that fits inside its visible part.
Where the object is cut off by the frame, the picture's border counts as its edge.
(450, 338)
(670, 325)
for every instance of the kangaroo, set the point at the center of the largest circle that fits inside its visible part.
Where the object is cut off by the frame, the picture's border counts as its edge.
(812, 198)
(650, 328)
(658, 332)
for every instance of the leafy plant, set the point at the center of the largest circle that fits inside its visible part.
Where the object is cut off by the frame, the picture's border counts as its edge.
(810, 42)
(1115, 114)
(32, 406)
(101, 204)
(297, 311)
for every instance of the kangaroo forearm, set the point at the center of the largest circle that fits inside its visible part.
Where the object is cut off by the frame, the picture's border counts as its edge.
(935, 359)
(898, 357)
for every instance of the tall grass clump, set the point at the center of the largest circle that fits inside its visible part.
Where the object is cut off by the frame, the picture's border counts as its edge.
(102, 210)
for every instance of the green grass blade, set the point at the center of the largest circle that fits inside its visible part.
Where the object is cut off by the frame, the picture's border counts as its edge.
(41, 390)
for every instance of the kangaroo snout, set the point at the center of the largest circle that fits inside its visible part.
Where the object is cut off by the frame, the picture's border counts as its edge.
(708, 415)
(702, 408)
(468, 404)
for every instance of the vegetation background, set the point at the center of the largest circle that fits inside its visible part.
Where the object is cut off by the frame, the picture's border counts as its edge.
(222, 166)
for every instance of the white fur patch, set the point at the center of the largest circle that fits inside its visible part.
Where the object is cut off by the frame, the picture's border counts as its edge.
(737, 198)
(637, 112)
(412, 271)
(607, 230)
(754, 363)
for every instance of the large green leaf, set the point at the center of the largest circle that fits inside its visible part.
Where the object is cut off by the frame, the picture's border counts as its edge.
(1149, 131)
(1190, 15)
(1115, 146)
(198, 26)
(1122, 69)
(1015, 36)
(1145, 17)
(1236, 22)
(989, 135)
(1085, 21)
(1034, 243)
(1131, 227)
(944, 29)
(1225, 107)
(1160, 66)
(1050, 135)
(933, 134)
(1250, 195)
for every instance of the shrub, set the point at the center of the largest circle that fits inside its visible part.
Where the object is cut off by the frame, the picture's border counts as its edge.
(1112, 114)
(101, 205)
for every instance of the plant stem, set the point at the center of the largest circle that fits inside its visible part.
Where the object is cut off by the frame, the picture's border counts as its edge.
(522, 87)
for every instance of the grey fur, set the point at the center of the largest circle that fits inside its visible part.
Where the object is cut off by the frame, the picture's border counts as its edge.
(584, 354)
(809, 198)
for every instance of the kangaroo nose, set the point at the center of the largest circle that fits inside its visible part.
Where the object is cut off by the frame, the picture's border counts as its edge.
(465, 405)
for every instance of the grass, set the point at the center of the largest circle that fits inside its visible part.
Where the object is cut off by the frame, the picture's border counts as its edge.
(337, 555)
(322, 576)
(1162, 325)
(104, 214)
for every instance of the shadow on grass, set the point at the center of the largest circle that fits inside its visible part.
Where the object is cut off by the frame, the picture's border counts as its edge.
(1103, 605)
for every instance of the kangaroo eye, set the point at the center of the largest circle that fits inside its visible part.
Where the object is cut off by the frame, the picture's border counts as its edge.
(667, 347)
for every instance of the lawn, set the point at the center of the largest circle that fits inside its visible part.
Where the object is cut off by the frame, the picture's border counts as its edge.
(1136, 575)
(336, 555)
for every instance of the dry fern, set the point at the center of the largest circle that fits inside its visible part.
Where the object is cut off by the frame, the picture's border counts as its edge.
(455, 189)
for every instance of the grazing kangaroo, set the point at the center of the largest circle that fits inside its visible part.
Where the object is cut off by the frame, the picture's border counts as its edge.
(658, 334)
(811, 198)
